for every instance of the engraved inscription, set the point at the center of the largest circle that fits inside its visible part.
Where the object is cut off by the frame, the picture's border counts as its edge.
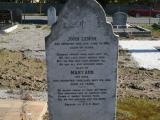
(81, 71)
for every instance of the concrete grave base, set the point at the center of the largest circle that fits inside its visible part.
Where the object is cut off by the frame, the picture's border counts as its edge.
(22, 110)
(145, 52)
(135, 31)
(10, 29)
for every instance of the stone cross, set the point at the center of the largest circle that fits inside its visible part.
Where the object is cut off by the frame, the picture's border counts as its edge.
(52, 18)
(82, 53)
(120, 19)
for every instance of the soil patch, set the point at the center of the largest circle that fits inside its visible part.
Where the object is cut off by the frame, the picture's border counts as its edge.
(18, 71)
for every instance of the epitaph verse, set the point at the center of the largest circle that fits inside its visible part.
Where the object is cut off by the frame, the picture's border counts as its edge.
(82, 58)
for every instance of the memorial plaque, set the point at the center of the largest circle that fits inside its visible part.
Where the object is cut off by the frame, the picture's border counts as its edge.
(120, 18)
(52, 18)
(81, 58)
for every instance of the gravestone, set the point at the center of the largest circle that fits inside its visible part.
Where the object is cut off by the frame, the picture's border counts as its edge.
(52, 18)
(120, 19)
(17, 15)
(81, 59)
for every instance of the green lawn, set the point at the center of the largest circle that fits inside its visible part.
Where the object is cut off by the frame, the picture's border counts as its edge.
(155, 30)
(138, 109)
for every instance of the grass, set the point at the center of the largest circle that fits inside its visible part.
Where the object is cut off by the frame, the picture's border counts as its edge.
(3, 41)
(138, 109)
(150, 27)
(155, 31)
(135, 109)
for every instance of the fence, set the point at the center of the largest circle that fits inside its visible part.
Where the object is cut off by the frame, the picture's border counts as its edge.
(37, 8)
(30, 7)
(112, 8)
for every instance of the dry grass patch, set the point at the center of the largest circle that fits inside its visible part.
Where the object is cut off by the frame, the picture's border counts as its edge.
(138, 109)
(18, 71)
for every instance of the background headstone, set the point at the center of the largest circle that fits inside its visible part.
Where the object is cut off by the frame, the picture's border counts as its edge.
(52, 18)
(120, 19)
(17, 15)
(82, 53)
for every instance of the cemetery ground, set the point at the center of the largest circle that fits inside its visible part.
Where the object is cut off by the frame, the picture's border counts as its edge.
(23, 75)
(154, 28)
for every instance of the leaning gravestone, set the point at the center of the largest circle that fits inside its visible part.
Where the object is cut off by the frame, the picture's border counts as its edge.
(51, 15)
(82, 64)
(120, 19)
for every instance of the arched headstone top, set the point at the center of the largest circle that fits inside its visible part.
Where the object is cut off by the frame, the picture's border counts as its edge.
(52, 9)
(82, 9)
(52, 17)
(120, 18)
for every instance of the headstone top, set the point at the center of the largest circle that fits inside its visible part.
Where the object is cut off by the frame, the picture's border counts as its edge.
(82, 53)
(120, 18)
(76, 7)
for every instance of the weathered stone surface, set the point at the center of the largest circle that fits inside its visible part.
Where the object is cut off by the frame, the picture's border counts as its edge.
(82, 55)
(52, 18)
(120, 18)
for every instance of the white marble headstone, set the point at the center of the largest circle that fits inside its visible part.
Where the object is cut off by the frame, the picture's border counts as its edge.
(52, 18)
(82, 53)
